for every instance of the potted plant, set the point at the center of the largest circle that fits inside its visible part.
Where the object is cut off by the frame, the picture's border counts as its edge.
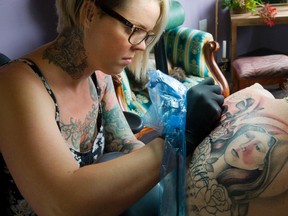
(241, 6)
(267, 13)
(264, 10)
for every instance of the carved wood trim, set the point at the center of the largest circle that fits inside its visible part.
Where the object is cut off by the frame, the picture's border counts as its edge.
(209, 49)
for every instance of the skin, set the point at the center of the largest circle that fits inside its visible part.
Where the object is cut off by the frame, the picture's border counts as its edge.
(49, 177)
(214, 186)
(248, 150)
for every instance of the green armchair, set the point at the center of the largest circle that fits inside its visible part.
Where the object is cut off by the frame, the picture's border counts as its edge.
(185, 49)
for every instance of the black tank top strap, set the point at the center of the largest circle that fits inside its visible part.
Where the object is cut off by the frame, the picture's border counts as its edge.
(36, 69)
(99, 119)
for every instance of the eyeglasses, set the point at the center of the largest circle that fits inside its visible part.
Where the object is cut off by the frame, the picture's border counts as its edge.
(137, 34)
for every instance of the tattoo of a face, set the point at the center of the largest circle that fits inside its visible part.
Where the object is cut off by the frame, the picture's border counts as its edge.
(232, 165)
(68, 52)
(76, 132)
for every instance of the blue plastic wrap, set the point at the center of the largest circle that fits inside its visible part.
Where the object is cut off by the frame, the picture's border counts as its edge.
(167, 115)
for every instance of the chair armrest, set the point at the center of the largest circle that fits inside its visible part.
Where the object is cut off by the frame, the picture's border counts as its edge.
(135, 121)
(193, 50)
(209, 49)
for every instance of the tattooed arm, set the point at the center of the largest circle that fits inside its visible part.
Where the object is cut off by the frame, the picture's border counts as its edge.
(118, 134)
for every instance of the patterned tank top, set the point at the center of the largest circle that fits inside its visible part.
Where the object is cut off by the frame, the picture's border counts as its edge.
(11, 200)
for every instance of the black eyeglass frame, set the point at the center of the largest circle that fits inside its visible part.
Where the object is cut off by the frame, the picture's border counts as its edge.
(149, 34)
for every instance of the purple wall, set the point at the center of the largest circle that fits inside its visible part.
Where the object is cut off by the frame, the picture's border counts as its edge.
(249, 38)
(26, 24)
(205, 9)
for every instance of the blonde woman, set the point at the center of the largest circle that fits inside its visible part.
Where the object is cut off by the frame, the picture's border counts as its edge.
(58, 116)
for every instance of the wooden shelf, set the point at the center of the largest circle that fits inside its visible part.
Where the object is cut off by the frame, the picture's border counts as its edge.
(247, 19)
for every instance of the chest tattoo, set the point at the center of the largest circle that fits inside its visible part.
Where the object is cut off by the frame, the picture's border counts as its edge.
(81, 133)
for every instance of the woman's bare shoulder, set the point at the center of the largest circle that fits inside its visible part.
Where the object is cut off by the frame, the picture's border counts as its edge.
(23, 98)
(18, 80)
(15, 72)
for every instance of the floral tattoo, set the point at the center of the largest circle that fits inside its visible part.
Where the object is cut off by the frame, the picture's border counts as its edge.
(68, 52)
(77, 132)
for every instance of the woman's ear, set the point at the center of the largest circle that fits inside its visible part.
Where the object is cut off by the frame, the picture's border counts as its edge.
(88, 11)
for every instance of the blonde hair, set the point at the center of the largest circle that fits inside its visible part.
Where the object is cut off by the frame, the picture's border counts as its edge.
(68, 16)
(139, 64)
(67, 11)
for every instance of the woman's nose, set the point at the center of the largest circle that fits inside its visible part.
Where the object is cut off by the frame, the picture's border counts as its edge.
(141, 46)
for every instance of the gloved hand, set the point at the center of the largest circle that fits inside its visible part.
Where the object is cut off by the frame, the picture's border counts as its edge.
(204, 110)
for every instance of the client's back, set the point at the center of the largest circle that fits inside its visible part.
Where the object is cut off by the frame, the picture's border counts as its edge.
(241, 168)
